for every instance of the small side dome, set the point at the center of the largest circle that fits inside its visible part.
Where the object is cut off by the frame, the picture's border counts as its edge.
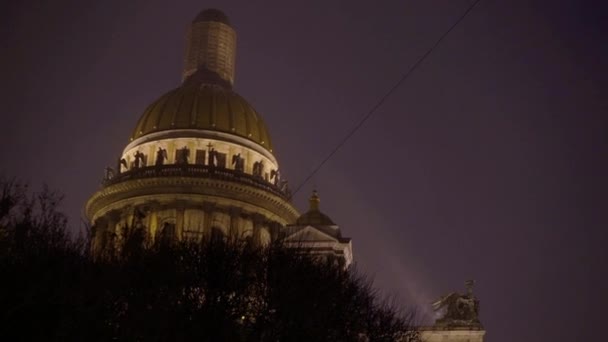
(212, 14)
(314, 217)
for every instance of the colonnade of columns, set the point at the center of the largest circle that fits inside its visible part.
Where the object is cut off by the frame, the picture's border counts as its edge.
(181, 220)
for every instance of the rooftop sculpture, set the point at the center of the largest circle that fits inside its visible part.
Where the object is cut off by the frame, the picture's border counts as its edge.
(458, 310)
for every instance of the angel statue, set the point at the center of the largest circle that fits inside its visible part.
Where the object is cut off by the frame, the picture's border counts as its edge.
(238, 162)
(161, 156)
(458, 310)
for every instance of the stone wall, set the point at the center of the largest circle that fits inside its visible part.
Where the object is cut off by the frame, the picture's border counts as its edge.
(435, 334)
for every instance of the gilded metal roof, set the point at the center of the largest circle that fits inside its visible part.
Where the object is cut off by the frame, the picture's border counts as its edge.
(205, 107)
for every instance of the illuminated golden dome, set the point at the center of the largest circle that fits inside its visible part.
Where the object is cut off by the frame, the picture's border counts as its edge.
(206, 107)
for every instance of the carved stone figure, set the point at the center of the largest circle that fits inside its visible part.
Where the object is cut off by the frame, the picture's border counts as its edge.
(109, 173)
(139, 159)
(258, 168)
(182, 156)
(161, 156)
(275, 177)
(122, 162)
(211, 161)
(284, 187)
(458, 310)
(238, 162)
(212, 157)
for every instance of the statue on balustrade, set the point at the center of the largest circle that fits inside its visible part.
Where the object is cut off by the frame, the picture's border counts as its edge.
(139, 160)
(161, 156)
(458, 310)
(108, 174)
(284, 187)
(182, 156)
(238, 162)
(275, 177)
(258, 168)
(122, 162)
(212, 157)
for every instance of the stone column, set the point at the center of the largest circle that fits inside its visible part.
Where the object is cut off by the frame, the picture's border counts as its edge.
(235, 216)
(208, 208)
(98, 230)
(153, 224)
(258, 222)
(180, 207)
(275, 231)
(112, 233)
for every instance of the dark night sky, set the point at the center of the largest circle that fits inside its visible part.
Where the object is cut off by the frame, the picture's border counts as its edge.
(488, 163)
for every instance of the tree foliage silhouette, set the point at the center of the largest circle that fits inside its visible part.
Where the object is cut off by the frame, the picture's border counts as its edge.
(54, 288)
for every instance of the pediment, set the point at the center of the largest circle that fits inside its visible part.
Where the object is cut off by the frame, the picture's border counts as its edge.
(310, 234)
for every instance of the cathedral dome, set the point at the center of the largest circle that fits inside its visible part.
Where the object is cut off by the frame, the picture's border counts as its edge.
(199, 161)
(205, 107)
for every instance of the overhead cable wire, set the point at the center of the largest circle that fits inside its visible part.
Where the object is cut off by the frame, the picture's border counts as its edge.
(385, 97)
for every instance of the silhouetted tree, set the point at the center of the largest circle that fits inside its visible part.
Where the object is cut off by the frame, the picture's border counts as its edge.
(209, 290)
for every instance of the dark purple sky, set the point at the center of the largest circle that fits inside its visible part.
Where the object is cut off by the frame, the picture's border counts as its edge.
(488, 163)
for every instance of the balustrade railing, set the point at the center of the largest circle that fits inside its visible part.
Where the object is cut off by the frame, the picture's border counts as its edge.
(198, 171)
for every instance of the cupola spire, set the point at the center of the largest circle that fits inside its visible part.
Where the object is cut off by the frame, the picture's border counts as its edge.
(210, 48)
(314, 201)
